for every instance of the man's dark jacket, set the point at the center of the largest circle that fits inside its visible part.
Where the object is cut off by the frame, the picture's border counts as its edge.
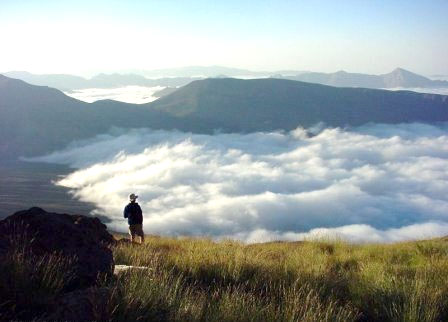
(133, 213)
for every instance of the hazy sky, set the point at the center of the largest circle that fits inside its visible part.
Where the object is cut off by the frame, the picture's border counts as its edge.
(84, 37)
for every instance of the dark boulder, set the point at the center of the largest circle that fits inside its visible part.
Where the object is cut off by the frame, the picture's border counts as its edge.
(84, 240)
(91, 304)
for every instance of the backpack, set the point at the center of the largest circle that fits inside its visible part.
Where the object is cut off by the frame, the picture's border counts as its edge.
(135, 213)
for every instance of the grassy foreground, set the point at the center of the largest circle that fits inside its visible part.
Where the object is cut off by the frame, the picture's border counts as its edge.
(202, 280)
(197, 279)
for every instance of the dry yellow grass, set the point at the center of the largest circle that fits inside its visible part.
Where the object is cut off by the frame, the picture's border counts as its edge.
(302, 281)
(197, 279)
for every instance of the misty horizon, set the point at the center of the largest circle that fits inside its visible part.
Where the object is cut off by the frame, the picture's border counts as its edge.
(173, 72)
(146, 87)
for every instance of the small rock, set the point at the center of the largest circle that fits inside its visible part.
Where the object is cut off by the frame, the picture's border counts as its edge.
(124, 268)
(123, 241)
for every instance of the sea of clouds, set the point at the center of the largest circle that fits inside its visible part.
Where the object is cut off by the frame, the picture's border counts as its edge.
(376, 183)
(127, 94)
(142, 94)
(435, 90)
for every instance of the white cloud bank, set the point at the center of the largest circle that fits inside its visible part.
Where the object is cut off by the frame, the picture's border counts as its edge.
(377, 183)
(430, 90)
(127, 94)
(142, 94)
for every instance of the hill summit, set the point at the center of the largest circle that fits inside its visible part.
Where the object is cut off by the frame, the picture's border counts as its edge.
(38, 119)
(272, 104)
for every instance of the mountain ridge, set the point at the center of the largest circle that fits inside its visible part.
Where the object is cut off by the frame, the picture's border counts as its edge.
(399, 77)
(291, 103)
(67, 83)
(35, 120)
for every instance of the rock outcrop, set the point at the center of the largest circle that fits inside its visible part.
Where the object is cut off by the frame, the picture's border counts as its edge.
(83, 239)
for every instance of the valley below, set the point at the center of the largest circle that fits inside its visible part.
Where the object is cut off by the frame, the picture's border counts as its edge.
(27, 184)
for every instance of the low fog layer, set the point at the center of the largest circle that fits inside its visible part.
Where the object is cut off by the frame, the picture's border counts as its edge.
(373, 183)
(440, 91)
(127, 94)
(142, 94)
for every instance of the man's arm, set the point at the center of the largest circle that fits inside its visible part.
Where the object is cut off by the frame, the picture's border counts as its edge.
(125, 212)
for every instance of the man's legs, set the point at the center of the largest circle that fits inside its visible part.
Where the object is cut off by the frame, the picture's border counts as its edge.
(132, 233)
(137, 230)
(141, 234)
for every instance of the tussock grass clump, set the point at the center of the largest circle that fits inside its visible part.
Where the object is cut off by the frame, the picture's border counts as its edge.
(166, 292)
(28, 283)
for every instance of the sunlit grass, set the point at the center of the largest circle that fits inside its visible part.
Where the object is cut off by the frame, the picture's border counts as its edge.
(197, 279)
(302, 281)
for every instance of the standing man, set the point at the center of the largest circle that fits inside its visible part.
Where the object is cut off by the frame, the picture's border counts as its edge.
(133, 213)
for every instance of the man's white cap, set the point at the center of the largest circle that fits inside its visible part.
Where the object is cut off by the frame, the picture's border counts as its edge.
(133, 196)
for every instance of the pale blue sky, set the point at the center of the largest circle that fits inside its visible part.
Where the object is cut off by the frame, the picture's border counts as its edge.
(82, 37)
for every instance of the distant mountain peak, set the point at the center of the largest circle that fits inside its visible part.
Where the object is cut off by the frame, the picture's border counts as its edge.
(401, 77)
(399, 69)
(406, 73)
(402, 71)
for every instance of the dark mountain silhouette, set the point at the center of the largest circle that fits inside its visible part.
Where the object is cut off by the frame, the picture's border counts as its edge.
(38, 119)
(164, 92)
(397, 78)
(270, 104)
